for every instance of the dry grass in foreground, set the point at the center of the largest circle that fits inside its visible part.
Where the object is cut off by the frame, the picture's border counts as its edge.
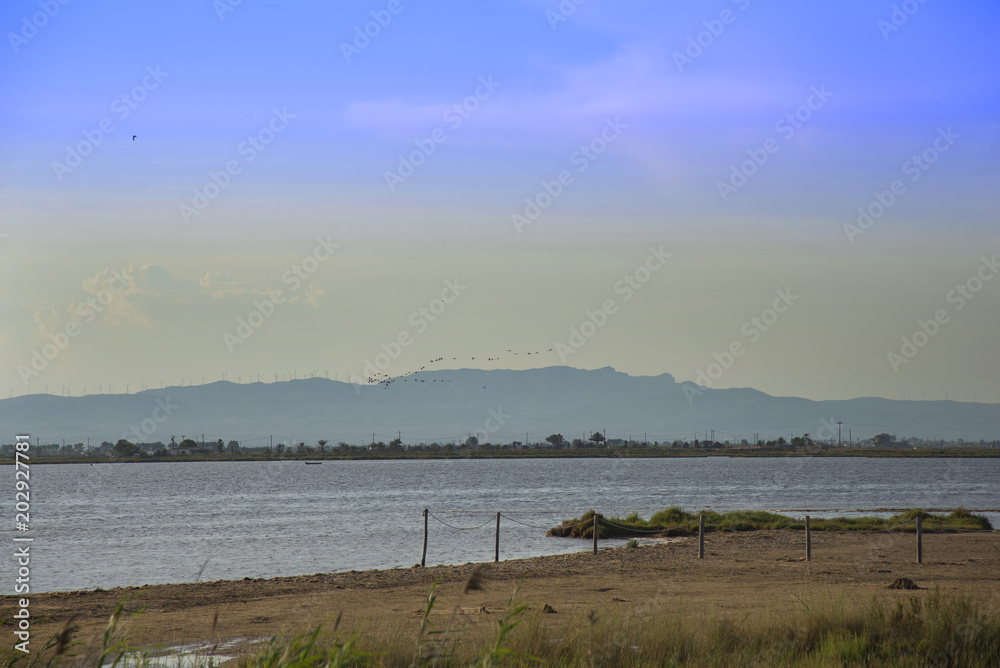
(917, 631)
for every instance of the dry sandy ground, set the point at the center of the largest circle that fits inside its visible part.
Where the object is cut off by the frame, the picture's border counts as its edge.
(748, 573)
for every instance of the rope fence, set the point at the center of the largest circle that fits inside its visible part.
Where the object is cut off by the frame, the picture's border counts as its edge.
(479, 526)
(598, 520)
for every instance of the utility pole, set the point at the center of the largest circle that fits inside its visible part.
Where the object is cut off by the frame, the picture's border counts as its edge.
(840, 441)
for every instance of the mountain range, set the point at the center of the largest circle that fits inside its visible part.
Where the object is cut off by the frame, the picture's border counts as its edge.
(498, 406)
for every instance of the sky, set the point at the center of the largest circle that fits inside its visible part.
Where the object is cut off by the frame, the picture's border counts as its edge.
(802, 200)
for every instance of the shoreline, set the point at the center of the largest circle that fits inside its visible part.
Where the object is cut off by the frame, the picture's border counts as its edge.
(614, 452)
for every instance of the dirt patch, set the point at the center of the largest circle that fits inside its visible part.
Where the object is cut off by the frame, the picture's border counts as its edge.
(742, 573)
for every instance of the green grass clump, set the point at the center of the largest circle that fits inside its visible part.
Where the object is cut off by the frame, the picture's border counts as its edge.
(958, 520)
(677, 522)
(306, 651)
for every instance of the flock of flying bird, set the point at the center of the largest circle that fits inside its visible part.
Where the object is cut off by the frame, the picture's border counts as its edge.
(385, 380)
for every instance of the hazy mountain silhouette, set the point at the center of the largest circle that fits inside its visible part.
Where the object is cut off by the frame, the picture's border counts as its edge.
(444, 406)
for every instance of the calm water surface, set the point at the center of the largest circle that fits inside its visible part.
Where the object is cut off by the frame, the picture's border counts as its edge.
(107, 525)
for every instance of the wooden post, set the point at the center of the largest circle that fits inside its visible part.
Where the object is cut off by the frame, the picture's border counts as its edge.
(423, 557)
(701, 536)
(496, 552)
(595, 533)
(809, 545)
(920, 540)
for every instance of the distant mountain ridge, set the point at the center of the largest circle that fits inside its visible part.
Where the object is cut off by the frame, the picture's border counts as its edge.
(496, 405)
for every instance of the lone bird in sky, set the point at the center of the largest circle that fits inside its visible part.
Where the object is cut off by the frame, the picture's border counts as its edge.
(133, 137)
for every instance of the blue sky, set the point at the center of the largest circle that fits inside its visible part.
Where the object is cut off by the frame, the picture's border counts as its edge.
(745, 156)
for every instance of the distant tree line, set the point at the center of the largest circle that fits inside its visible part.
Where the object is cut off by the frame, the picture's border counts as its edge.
(595, 442)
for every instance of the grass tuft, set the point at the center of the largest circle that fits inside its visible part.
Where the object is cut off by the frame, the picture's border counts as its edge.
(677, 522)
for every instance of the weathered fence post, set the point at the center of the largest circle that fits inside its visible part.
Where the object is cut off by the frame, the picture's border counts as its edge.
(595, 532)
(423, 556)
(701, 536)
(496, 553)
(920, 540)
(809, 543)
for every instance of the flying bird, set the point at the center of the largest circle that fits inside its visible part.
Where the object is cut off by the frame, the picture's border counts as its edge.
(133, 137)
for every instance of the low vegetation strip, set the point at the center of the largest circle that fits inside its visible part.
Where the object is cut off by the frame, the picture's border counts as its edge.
(488, 451)
(675, 521)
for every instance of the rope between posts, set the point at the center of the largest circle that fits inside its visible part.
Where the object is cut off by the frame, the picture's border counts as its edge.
(618, 526)
(535, 526)
(898, 526)
(493, 517)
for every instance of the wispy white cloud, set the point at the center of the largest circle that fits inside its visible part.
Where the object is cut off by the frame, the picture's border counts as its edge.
(638, 80)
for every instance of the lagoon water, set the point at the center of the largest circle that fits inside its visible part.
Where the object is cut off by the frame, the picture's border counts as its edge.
(108, 525)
